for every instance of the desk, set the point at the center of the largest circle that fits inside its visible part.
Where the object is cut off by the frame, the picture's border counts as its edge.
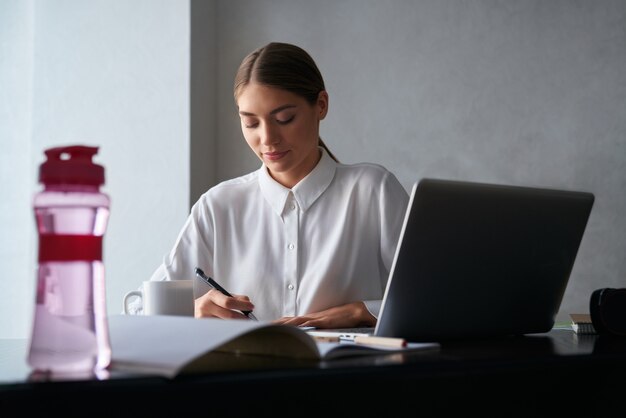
(559, 373)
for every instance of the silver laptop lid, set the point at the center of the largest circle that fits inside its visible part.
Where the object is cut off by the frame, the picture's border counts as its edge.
(477, 260)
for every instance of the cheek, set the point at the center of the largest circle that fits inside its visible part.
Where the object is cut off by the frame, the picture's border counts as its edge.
(302, 131)
(308, 132)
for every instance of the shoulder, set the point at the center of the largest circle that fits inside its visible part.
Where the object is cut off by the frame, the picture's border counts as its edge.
(236, 184)
(371, 174)
(365, 167)
(230, 191)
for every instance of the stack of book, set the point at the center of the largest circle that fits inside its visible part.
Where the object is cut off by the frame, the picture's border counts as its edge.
(581, 324)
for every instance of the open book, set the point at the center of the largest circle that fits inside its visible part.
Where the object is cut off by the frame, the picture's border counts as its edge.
(173, 345)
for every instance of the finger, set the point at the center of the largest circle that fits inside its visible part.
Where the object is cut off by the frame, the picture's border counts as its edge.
(296, 321)
(288, 320)
(230, 302)
(208, 309)
(208, 305)
(241, 297)
(204, 307)
(224, 313)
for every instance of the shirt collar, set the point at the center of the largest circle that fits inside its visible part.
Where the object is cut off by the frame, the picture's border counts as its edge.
(305, 192)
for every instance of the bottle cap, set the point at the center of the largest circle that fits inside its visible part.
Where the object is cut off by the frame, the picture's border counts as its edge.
(71, 165)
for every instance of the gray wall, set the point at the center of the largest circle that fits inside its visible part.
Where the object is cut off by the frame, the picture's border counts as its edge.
(528, 92)
(202, 97)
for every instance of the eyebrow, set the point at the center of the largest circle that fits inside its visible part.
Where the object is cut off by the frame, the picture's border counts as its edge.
(273, 112)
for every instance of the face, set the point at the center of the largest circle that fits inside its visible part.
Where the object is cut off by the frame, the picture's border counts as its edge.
(282, 129)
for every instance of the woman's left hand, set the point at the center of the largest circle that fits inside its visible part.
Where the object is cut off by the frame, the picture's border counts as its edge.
(351, 315)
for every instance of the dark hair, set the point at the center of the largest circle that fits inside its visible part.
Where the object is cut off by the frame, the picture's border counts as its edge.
(284, 66)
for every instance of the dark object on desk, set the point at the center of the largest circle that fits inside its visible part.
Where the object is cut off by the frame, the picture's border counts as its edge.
(607, 307)
(479, 260)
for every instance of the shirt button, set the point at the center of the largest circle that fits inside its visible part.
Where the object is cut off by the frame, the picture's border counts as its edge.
(290, 287)
(291, 246)
(292, 206)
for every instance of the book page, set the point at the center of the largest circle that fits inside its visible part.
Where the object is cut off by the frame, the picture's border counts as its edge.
(164, 345)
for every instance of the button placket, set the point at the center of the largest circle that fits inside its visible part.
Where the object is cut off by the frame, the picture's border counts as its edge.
(291, 221)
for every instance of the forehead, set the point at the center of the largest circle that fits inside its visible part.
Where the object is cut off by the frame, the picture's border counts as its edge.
(259, 98)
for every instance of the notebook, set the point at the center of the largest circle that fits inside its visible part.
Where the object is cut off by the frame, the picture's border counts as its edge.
(582, 323)
(477, 260)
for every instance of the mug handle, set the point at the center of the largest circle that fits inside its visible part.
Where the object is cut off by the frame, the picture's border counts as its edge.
(127, 297)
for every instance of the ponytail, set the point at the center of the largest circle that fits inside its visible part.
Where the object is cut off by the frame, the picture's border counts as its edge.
(323, 145)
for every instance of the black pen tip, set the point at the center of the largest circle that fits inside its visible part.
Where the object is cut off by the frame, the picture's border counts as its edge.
(199, 271)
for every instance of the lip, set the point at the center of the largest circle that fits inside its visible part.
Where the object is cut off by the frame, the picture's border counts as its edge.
(275, 155)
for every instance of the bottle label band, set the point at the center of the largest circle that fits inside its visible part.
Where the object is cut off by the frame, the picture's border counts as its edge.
(70, 248)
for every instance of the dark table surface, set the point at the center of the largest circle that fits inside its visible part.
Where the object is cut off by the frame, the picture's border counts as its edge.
(558, 373)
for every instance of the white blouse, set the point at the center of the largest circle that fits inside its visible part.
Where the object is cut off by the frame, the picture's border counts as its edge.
(328, 241)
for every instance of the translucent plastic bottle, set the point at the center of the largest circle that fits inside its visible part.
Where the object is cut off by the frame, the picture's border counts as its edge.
(70, 330)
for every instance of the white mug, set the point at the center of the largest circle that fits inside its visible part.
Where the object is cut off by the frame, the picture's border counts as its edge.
(164, 297)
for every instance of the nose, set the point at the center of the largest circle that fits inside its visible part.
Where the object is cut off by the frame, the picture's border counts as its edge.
(268, 134)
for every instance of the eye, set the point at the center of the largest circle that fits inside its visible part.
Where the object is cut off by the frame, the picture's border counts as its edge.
(285, 121)
(249, 123)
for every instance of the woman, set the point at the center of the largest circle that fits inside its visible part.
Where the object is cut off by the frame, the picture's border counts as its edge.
(304, 240)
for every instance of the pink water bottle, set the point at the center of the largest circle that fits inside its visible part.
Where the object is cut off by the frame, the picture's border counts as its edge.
(70, 330)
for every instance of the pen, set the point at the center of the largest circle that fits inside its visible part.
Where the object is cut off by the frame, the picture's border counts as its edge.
(216, 286)
(384, 341)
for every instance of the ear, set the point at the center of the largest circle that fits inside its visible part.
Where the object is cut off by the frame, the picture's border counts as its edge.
(322, 104)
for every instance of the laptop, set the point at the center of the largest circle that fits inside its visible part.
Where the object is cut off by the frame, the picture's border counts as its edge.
(478, 260)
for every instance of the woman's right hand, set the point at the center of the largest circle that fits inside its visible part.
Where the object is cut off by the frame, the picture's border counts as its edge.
(215, 304)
